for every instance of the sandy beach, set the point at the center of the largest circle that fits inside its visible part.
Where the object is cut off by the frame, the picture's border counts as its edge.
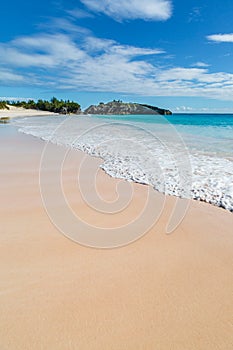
(161, 292)
(17, 112)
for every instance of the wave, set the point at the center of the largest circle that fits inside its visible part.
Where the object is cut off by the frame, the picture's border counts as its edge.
(173, 161)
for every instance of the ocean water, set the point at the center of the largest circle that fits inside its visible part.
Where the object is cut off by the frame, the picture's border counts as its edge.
(190, 156)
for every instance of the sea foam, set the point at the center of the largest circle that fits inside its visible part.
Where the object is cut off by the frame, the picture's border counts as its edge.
(171, 159)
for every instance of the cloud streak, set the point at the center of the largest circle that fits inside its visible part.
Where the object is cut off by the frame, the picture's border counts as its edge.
(149, 10)
(200, 64)
(8, 76)
(86, 63)
(78, 13)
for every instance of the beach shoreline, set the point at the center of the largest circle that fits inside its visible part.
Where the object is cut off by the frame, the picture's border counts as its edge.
(19, 112)
(157, 152)
(162, 291)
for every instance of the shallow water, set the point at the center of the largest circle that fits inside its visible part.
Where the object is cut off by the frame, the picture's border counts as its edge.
(189, 156)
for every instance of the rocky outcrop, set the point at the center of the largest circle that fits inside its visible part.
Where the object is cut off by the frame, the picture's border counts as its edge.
(4, 120)
(118, 107)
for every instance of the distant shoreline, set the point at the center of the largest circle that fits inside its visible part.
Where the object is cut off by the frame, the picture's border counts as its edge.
(199, 113)
(17, 112)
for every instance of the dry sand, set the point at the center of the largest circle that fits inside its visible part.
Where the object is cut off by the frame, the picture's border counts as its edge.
(17, 112)
(161, 292)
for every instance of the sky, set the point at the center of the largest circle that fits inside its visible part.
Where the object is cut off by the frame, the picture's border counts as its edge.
(175, 54)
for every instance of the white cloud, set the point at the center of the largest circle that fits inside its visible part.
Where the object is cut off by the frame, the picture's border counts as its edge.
(48, 51)
(78, 13)
(53, 50)
(7, 98)
(180, 73)
(62, 25)
(7, 75)
(86, 63)
(200, 64)
(184, 109)
(187, 109)
(221, 38)
(132, 9)
(126, 50)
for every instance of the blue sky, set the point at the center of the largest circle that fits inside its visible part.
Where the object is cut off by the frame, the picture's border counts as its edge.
(175, 54)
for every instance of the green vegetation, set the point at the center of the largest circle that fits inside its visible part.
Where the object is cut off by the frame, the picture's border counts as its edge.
(54, 105)
(3, 105)
(118, 101)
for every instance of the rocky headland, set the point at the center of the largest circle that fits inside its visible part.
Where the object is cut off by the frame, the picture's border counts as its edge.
(119, 107)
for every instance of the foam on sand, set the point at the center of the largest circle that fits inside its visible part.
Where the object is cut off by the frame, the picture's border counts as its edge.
(156, 155)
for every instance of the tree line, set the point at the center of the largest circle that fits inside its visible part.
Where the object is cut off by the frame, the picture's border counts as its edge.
(3, 105)
(54, 105)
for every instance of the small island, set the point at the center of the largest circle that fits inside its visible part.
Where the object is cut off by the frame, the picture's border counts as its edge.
(119, 108)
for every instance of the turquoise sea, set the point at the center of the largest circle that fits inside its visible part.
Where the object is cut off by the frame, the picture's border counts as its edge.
(212, 132)
(186, 155)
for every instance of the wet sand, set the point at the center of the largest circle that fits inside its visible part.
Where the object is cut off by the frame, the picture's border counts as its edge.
(161, 292)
